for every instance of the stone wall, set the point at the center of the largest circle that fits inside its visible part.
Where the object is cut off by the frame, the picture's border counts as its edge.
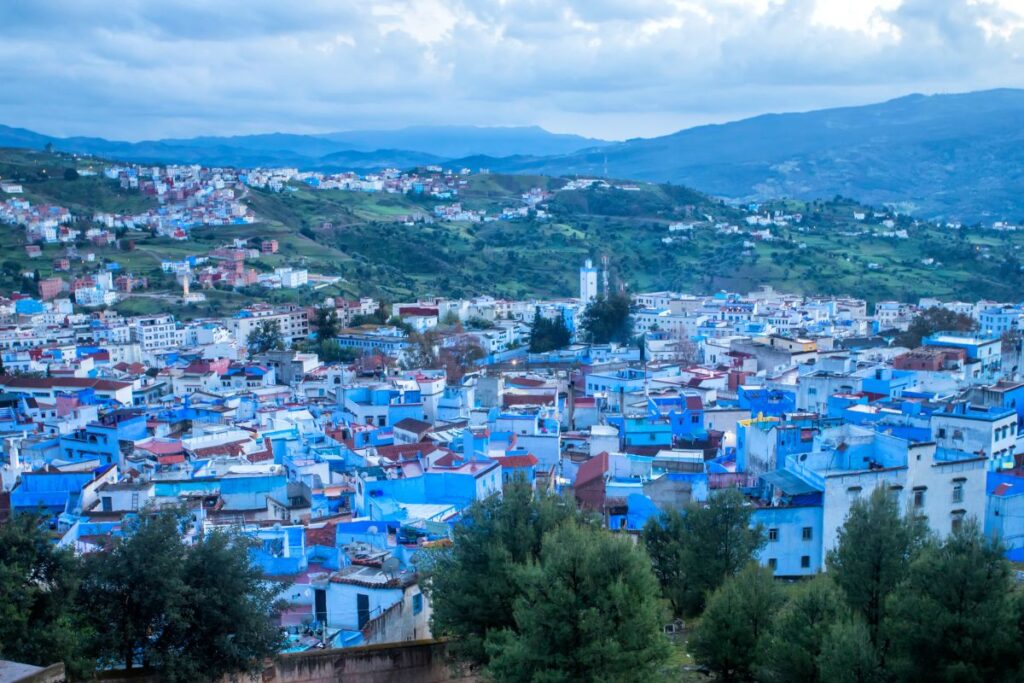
(420, 661)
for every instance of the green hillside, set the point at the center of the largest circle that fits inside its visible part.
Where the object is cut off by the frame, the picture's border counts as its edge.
(389, 245)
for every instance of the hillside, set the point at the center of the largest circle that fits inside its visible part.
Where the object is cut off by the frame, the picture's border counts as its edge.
(954, 156)
(656, 237)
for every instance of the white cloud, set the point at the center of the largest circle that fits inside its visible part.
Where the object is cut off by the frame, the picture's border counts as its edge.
(602, 67)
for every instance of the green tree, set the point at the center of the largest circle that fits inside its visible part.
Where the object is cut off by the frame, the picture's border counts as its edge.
(38, 588)
(588, 611)
(729, 637)
(266, 336)
(795, 641)
(134, 592)
(192, 613)
(471, 583)
(951, 619)
(848, 655)
(932, 320)
(874, 551)
(70, 174)
(693, 552)
(326, 323)
(548, 334)
(608, 319)
(228, 605)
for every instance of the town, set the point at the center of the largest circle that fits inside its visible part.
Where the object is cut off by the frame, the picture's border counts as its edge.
(347, 470)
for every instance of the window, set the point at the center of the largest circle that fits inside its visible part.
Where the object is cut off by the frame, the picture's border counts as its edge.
(805, 562)
(956, 523)
(417, 603)
(695, 419)
(808, 533)
(772, 563)
(919, 497)
(773, 534)
(958, 492)
(942, 432)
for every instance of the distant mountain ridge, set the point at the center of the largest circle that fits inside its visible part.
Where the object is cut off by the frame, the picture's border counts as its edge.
(369, 149)
(957, 156)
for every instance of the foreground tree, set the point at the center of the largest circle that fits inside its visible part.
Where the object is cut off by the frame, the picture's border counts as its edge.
(730, 635)
(191, 613)
(588, 611)
(134, 591)
(848, 655)
(228, 605)
(693, 552)
(38, 587)
(471, 584)
(795, 642)
(875, 548)
(609, 320)
(951, 619)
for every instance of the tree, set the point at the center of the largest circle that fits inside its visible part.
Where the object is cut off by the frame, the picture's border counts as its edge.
(730, 634)
(951, 619)
(266, 336)
(134, 591)
(932, 320)
(471, 583)
(548, 334)
(608, 320)
(228, 606)
(38, 588)
(693, 552)
(70, 174)
(326, 323)
(874, 551)
(848, 656)
(588, 611)
(192, 613)
(795, 641)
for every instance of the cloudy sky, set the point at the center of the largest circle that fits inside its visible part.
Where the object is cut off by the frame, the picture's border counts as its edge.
(135, 69)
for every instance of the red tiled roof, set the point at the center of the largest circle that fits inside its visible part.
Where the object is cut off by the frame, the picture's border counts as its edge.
(51, 382)
(592, 469)
(525, 382)
(1001, 489)
(509, 400)
(404, 451)
(416, 310)
(325, 535)
(229, 448)
(511, 461)
(161, 447)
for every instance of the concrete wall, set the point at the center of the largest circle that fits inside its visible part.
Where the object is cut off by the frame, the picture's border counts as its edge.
(422, 661)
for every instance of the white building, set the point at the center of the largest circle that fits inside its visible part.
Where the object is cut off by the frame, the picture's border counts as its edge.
(588, 282)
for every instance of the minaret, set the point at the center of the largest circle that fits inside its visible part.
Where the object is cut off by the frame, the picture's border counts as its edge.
(588, 283)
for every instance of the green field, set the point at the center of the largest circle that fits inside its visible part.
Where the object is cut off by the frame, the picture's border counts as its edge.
(367, 239)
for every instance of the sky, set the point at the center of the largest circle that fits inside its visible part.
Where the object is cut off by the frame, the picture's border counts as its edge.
(142, 69)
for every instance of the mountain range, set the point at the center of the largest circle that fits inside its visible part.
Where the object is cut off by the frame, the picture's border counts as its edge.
(956, 156)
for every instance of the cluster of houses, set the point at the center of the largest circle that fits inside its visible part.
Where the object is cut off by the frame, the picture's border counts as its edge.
(188, 196)
(42, 222)
(347, 474)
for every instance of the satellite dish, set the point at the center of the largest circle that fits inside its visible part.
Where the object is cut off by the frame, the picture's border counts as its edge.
(371, 530)
(391, 566)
